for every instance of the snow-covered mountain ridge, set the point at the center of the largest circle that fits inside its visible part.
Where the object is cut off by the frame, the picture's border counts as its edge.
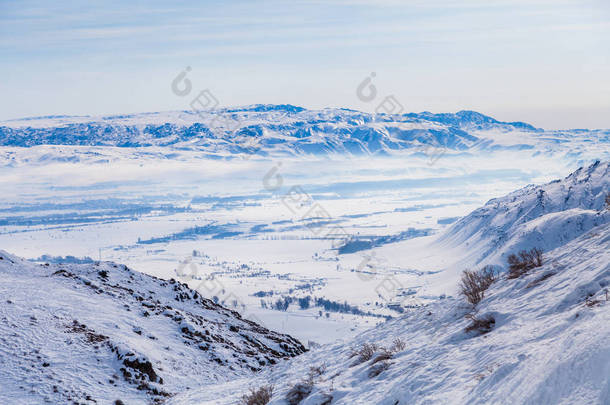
(290, 130)
(545, 216)
(96, 333)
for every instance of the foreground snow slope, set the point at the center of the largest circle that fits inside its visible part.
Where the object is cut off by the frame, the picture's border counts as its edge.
(100, 332)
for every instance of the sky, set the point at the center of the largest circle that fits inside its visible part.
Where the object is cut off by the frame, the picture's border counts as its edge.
(546, 62)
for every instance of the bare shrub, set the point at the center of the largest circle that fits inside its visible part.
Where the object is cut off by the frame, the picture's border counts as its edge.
(260, 396)
(298, 393)
(608, 201)
(364, 353)
(481, 325)
(398, 345)
(523, 262)
(474, 283)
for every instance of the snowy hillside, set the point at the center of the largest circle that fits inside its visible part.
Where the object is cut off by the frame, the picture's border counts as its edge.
(542, 216)
(97, 333)
(542, 338)
(545, 216)
(294, 131)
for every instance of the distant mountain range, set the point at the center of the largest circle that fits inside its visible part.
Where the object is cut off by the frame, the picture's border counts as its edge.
(294, 131)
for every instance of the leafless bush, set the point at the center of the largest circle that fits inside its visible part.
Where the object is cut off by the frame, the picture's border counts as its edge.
(378, 353)
(260, 396)
(482, 325)
(364, 353)
(298, 393)
(608, 201)
(474, 283)
(398, 345)
(526, 260)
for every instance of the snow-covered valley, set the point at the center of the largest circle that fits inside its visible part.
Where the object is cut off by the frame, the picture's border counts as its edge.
(157, 190)
(336, 227)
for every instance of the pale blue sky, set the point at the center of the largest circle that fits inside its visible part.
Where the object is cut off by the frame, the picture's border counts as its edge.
(542, 61)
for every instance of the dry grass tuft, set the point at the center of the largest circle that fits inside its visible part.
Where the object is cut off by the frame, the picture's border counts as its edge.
(398, 345)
